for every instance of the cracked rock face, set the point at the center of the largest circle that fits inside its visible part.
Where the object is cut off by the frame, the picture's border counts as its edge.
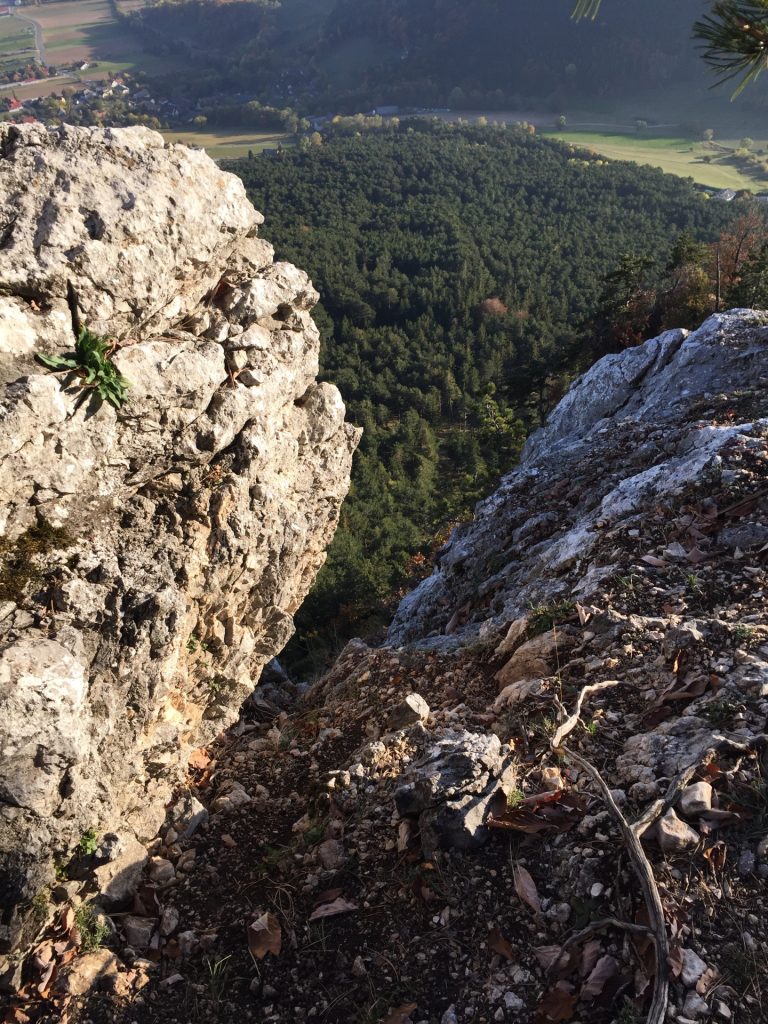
(151, 557)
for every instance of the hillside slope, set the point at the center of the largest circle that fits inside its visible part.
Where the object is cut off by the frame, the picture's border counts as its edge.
(426, 836)
(353, 54)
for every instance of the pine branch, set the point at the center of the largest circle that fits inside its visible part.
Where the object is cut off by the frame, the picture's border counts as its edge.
(734, 40)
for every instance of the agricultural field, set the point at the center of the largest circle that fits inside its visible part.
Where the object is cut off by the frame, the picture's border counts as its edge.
(229, 145)
(675, 155)
(75, 31)
(17, 43)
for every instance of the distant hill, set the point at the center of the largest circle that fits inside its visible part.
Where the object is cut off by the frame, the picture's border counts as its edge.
(347, 55)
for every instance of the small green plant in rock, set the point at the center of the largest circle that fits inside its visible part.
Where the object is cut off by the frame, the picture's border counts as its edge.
(92, 362)
(315, 833)
(720, 712)
(694, 583)
(514, 798)
(194, 643)
(92, 931)
(629, 1015)
(218, 972)
(546, 616)
(41, 902)
(744, 633)
(89, 841)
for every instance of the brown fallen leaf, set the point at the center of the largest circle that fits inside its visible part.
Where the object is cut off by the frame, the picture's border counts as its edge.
(548, 956)
(695, 556)
(716, 855)
(657, 563)
(710, 821)
(557, 811)
(401, 1015)
(338, 906)
(328, 895)
(607, 967)
(709, 978)
(525, 887)
(558, 1004)
(500, 945)
(675, 960)
(265, 936)
(589, 956)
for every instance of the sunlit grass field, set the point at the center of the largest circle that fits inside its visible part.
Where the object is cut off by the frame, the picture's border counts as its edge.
(676, 155)
(228, 145)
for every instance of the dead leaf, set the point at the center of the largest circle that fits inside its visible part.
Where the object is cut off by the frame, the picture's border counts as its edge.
(525, 887)
(66, 919)
(716, 856)
(328, 895)
(607, 967)
(548, 956)
(709, 978)
(695, 556)
(675, 960)
(584, 614)
(710, 821)
(556, 811)
(265, 936)
(500, 945)
(657, 563)
(589, 956)
(558, 1004)
(401, 1015)
(338, 906)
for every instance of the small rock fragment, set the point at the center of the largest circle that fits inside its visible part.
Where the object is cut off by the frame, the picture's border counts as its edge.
(138, 931)
(673, 835)
(695, 799)
(693, 968)
(331, 854)
(410, 711)
(747, 863)
(694, 1005)
(161, 870)
(233, 795)
(169, 921)
(89, 970)
(513, 1002)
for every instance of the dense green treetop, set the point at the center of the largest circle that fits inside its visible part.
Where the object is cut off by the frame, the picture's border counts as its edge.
(456, 267)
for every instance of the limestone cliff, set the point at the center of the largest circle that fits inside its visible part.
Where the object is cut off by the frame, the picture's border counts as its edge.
(152, 555)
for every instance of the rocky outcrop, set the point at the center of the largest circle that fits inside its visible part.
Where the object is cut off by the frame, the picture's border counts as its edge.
(151, 555)
(636, 429)
(405, 830)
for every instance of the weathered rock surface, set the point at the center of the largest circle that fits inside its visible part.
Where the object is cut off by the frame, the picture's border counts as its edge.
(450, 789)
(151, 557)
(624, 436)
